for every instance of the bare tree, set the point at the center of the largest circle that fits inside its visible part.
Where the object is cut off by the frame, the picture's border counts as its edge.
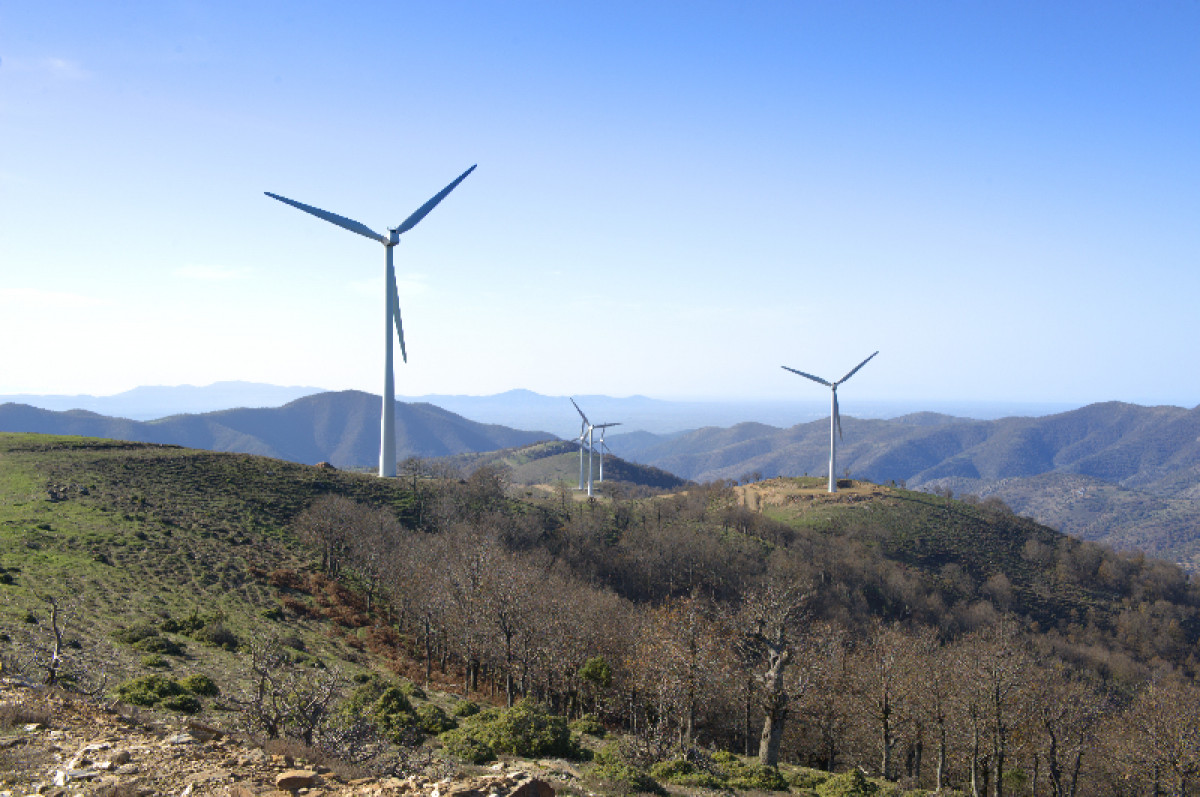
(770, 617)
(286, 698)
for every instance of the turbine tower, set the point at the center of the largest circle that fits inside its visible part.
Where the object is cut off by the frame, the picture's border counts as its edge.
(387, 423)
(587, 432)
(585, 441)
(603, 446)
(835, 418)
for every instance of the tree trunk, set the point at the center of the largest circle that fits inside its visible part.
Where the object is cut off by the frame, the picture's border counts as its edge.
(778, 657)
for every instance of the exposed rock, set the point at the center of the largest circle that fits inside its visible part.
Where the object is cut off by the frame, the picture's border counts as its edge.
(180, 738)
(204, 733)
(295, 779)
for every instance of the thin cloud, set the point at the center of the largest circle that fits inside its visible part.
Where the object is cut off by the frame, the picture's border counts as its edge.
(65, 69)
(52, 67)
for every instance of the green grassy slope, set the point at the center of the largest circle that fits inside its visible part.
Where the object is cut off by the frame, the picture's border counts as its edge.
(127, 533)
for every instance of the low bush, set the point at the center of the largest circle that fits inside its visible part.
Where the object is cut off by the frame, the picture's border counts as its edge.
(393, 714)
(432, 720)
(217, 634)
(465, 708)
(200, 684)
(149, 690)
(155, 661)
(806, 778)
(685, 773)
(135, 633)
(158, 644)
(410, 689)
(848, 784)
(590, 725)
(185, 704)
(466, 746)
(621, 777)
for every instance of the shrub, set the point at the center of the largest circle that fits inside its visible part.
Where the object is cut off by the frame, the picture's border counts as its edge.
(758, 777)
(410, 689)
(465, 708)
(685, 773)
(274, 613)
(200, 684)
(433, 720)
(622, 777)
(148, 690)
(848, 784)
(186, 704)
(218, 635)
(465, 745)
(156, 661)
(393, 714)
(805, 778)
(597, 672)
(590, 725)
(158, 644)
(748, 775)
(527, 730)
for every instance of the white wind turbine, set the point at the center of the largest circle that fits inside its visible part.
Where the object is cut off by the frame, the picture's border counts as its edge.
(586, 434)
(585, 441)
(835, 418)
(387, 424)
(603, 446)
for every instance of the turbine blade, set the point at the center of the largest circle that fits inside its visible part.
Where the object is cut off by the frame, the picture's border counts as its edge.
(855, 371)
(332, 218)
(423, 211)
(581, 415)
(837, 415)
(807, 376)
(396, 316)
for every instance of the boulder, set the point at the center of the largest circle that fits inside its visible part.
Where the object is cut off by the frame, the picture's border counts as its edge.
(294, 779)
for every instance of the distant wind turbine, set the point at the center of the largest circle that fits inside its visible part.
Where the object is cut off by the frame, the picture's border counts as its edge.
(586, 436)
(835, 418)
(604, 446)
(585, 441)
(387, 424)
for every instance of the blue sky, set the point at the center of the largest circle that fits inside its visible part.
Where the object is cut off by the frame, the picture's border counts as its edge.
(673, 198)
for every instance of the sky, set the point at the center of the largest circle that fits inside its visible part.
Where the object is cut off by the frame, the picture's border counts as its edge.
(672, 199)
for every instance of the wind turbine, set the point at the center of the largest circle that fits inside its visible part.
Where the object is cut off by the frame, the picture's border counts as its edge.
(835, 418)
(585, 440)
(603, 446)
(387, 424)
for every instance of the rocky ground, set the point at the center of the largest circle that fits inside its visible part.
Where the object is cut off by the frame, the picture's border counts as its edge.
(52, 743)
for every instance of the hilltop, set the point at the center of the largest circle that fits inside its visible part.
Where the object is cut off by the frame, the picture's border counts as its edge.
(550, 464)
(1125, 475)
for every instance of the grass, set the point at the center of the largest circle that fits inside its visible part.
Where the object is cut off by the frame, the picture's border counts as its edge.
(147, 532)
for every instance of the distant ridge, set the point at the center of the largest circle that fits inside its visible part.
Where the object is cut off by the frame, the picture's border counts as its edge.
(338, 427)
(150, 402)
(1120, 473)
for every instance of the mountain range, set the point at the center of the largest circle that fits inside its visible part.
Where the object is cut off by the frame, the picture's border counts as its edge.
(522, 409)
(341, 428)
(1122, 474)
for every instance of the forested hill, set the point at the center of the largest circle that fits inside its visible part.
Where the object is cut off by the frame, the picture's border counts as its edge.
(557, 462)
(667, 616)
(341, 428)
(1119, 473)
